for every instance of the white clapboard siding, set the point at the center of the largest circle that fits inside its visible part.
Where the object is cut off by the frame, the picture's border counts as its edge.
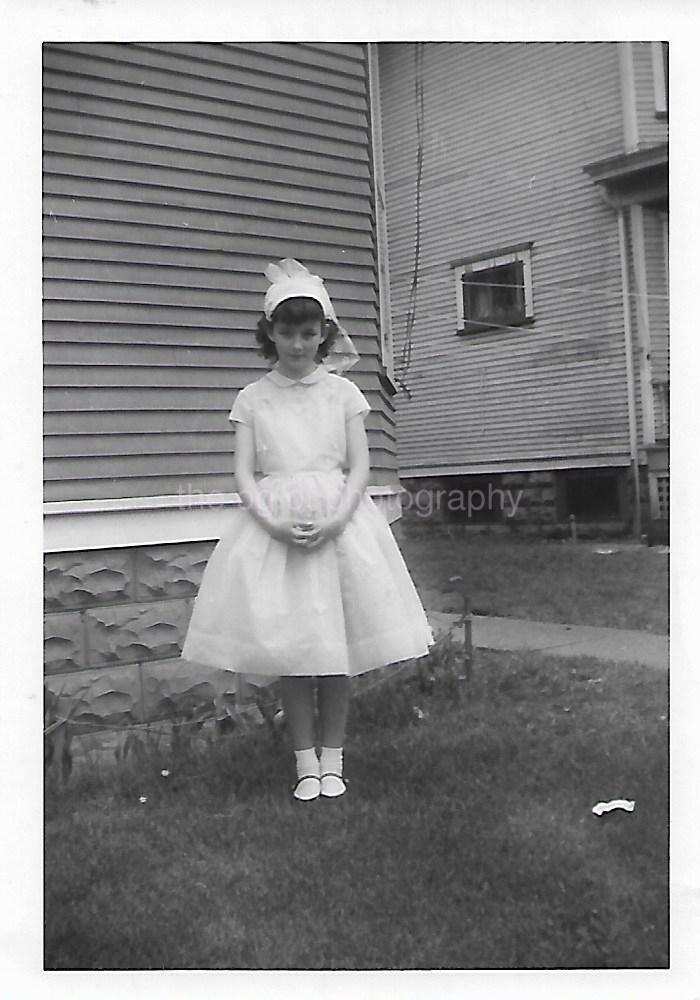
(658, 308)
(117, 425)
(644, 432)
(507, 131)
(657, 291)
(652, 129)
(173, 174)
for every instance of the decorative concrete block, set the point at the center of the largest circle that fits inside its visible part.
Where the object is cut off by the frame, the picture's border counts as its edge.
(109, 696)
(521, 513)
(172, 570)
(136, 632)
(513, 479)
(64, 648)
(86, 579)
(540, 478)
(418, 483)
(175, 686)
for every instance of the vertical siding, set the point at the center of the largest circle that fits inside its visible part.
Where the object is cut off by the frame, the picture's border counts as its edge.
(172, 174)
(651, 129)
(507, 130)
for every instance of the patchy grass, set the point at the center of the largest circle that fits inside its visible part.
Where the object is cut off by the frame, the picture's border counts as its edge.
(544, 580)
(466, 839)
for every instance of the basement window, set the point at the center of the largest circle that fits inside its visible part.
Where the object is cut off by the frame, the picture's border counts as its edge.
(494, 292)
(590, 494)
(474, 499)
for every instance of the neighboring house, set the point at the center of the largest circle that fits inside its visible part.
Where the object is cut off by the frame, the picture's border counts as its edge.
(527, 212)
(173, 173)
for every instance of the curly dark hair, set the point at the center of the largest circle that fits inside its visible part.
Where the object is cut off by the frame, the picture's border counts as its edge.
(295, 311)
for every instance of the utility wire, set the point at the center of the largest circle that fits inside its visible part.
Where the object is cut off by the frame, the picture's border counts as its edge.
(492, 325)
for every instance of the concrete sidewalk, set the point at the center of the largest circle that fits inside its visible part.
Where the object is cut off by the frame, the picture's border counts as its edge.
(624, 645)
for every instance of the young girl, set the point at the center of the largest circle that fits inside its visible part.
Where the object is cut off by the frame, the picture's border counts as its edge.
(308, 582)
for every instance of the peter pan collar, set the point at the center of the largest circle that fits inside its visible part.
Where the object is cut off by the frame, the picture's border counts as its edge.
(282, 380)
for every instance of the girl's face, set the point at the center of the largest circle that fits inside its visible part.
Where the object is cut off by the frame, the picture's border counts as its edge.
(297, 345)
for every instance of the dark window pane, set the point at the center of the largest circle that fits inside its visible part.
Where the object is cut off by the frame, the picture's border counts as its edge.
(590, 496)
(496, 295)
(477, 499)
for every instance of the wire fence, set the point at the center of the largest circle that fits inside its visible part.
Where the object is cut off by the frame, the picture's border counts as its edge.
(164, 727)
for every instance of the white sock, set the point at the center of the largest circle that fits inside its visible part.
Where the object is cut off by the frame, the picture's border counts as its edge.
(307, 767)
(332, 784)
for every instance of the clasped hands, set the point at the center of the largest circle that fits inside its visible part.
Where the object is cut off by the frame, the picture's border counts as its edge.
(307, 535)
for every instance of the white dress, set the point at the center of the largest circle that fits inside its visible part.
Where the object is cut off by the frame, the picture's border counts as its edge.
(267, 609)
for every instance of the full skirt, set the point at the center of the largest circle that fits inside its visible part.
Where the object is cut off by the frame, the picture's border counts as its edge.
(266, 609)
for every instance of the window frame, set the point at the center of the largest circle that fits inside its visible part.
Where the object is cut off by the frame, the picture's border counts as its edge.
(486, 262)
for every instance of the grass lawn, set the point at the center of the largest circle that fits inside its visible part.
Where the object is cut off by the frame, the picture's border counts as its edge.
(547, 581)
(466, 839)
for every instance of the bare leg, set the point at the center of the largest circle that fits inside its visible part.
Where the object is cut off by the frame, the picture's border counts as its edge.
(333, 705)
(298, 705)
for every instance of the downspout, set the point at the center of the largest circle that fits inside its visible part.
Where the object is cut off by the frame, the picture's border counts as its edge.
(629, 100)
(386, 335)
(631, 141)
(629, 365)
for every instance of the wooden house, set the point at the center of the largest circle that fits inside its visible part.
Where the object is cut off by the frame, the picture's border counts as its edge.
(527, 216)
(173, 173)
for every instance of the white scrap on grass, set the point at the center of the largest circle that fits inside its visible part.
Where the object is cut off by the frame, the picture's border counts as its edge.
(418, 712)
(605, 807)
(143, 798)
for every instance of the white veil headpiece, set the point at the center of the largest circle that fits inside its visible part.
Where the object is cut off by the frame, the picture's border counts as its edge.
(290, 280)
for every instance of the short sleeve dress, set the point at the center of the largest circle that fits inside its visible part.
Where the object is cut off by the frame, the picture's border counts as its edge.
(266, 609)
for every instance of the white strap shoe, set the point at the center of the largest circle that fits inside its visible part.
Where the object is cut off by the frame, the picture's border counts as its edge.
(332, 785)
(307, 788)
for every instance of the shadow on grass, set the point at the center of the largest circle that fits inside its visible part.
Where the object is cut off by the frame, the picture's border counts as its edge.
(466, 838)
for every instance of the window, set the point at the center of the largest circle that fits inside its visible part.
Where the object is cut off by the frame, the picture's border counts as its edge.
(659, 62)
(495, 292)
(474, 499)
(590, 494)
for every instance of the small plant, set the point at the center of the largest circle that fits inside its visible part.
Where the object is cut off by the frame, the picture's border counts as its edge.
(268, 705)
(466, 621)
(58, 734)
(143, 744)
